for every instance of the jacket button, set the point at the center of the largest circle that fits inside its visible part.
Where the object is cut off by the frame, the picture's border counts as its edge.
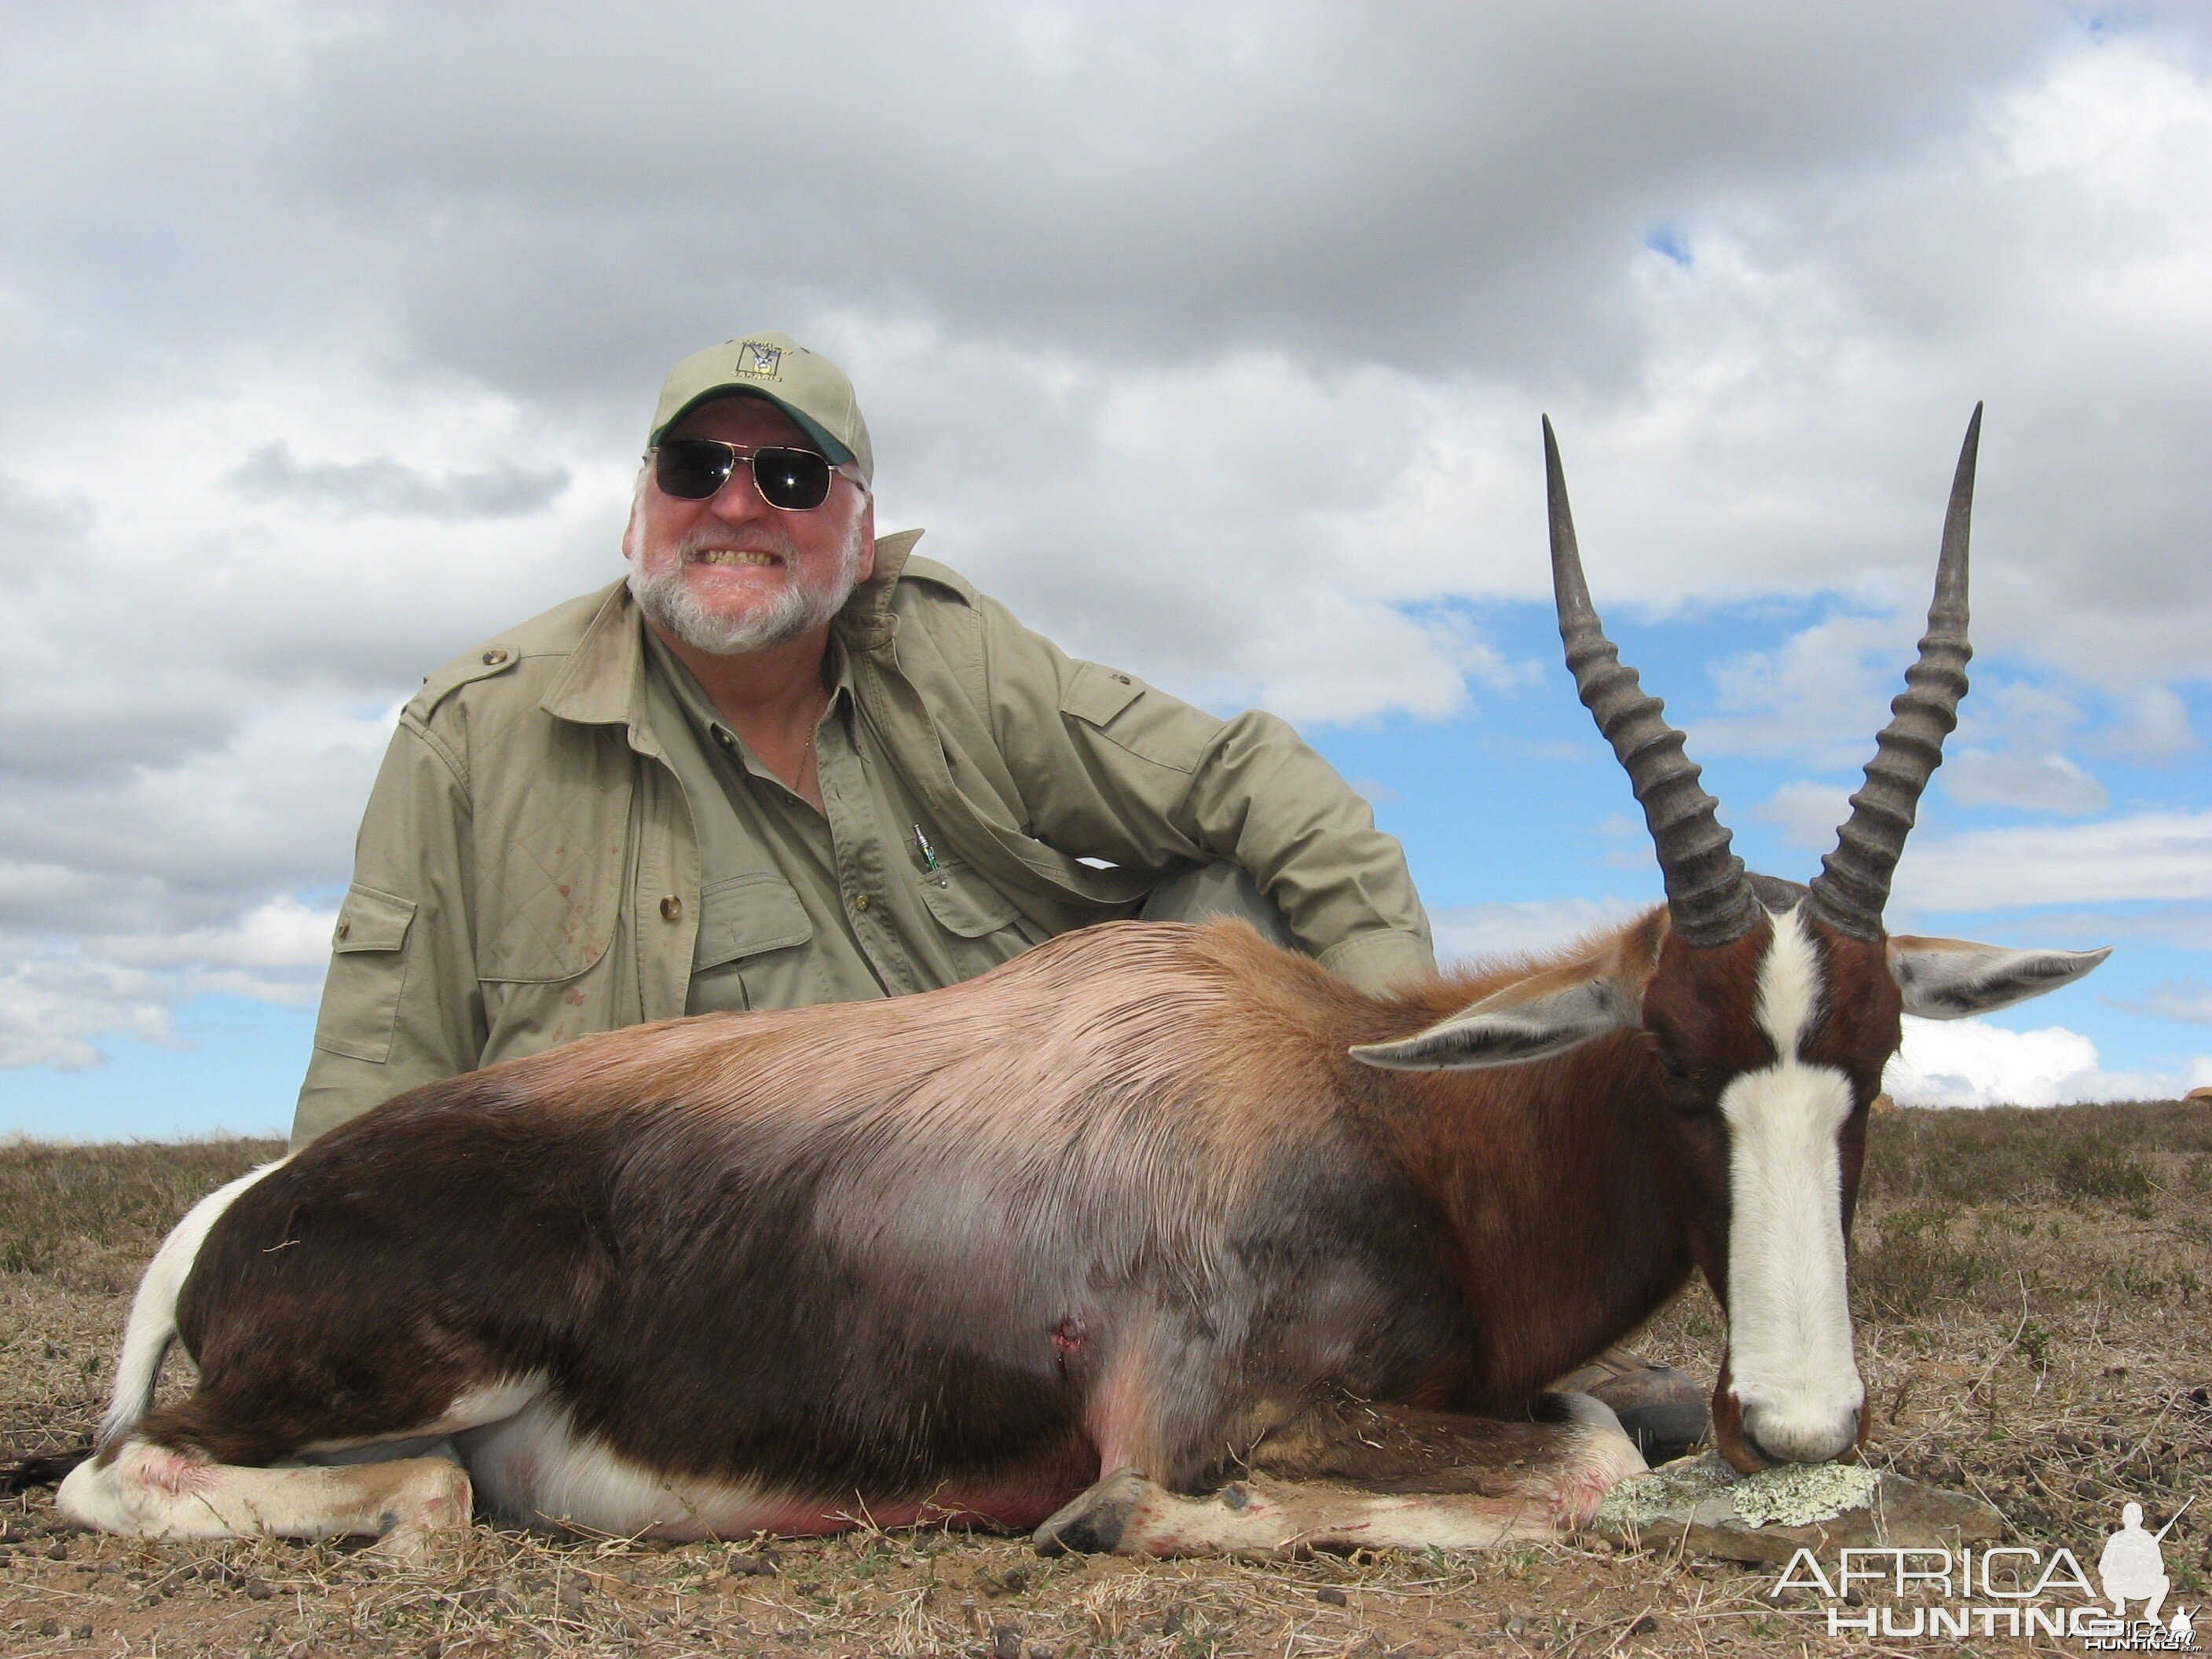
(672, 908)
(860, 901)
(494, 657)
(345, 928)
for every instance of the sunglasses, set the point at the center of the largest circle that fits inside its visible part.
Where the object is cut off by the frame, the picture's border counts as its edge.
(695, 468)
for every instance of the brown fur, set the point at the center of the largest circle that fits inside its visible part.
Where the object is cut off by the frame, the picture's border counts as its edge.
(1127, 1197)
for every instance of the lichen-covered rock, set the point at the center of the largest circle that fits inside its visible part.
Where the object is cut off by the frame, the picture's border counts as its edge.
(1706, 1508)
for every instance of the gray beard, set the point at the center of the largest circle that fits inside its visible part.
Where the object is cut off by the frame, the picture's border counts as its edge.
(796, 611)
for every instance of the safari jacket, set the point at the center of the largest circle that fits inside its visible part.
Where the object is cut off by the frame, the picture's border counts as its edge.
(527, 872)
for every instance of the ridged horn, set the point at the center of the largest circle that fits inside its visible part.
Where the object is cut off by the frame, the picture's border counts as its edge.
(1852, 888)
(1709, 899)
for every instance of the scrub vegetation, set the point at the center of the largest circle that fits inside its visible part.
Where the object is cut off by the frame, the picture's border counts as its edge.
(2032, 1288)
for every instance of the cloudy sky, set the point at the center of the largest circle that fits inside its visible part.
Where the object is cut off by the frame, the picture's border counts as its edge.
(1213, 339)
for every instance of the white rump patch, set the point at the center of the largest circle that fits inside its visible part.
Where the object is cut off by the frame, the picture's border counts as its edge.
(1789, 1322)
(152, 1325)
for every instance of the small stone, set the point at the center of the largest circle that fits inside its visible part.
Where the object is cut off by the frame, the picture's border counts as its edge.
(1703, 1506)
(81, 1634)
(50, 1627)
(1038, 1650)
(1643, 1626)
(1333, 1596)
(433, 1649)
(257, 1588)
(1005, 1642)
(57, 1551)
(1172, 1621)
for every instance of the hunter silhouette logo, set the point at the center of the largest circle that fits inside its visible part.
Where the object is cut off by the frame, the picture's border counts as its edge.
(2133, 1569)
(759, 361)
(2004, 1589)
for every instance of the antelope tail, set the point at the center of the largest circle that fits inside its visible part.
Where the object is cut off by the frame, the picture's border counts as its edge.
(152, 1325)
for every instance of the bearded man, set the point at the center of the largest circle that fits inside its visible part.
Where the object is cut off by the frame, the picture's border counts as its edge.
(787, 762)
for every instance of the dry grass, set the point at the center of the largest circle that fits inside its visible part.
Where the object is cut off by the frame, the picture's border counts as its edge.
(2031, 1289)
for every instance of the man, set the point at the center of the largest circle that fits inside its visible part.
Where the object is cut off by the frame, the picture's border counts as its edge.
(786, 761)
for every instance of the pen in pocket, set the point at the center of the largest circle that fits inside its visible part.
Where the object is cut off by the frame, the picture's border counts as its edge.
(929, 864)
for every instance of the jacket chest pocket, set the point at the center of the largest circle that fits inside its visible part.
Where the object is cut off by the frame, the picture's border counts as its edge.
(742, 923)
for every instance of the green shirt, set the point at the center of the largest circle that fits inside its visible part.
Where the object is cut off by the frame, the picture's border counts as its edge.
(546, 854)
(796, 906)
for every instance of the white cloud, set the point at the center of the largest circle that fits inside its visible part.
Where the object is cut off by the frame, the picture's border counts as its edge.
(2049, 783)
(1214, 348)
(1528, 927)
(1806, 813)
(2154, 725)
(2165, 856)
(1820, 698)
(51, 1012)
(1967, 1062)
(2188, 1000)
(2187, 928)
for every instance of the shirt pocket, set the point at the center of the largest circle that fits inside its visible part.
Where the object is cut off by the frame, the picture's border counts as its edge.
(965, 904)
(741, 919)
(368, 968)
(1133, 716)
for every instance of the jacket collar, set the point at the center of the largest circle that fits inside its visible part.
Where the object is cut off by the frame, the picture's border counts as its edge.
(601, 684)
(603, 681)
(867, 622)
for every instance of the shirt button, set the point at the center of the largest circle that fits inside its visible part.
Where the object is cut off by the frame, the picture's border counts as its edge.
(860, 901)
(494, 657)
(672, 908)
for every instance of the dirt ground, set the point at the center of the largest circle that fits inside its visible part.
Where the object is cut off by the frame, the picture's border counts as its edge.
(2032, 1293)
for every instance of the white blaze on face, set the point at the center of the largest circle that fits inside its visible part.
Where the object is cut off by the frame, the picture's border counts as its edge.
(1789, 1322)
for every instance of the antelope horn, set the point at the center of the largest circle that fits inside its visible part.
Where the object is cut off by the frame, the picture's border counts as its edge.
(1853, 885)
(1709, 899)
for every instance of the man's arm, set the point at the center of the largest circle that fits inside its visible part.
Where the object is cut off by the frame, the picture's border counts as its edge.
(1112, 769)
(401, 1005)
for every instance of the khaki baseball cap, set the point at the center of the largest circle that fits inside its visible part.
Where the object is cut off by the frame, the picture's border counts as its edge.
(806, 385)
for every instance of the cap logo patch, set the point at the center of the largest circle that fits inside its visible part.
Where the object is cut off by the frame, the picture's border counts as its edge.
(763, 362)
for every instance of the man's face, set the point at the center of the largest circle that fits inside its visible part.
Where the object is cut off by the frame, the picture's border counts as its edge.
(732, 574)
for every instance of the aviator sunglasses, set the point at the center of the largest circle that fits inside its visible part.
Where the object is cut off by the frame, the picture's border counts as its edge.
(695, 468)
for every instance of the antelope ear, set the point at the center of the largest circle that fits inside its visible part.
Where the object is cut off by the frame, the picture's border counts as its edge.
(1522, 1022)
(1950, 979)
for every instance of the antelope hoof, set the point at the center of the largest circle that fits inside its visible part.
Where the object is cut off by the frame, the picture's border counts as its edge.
(436, 1502)
(1092, 1524)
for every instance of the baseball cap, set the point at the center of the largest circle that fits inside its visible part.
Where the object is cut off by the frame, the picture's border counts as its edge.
(804, 384)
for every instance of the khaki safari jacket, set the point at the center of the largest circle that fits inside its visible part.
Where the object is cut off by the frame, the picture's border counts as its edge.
(527, 870)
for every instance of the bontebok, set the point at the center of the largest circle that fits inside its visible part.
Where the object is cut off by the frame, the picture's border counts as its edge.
(1148, 1210)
